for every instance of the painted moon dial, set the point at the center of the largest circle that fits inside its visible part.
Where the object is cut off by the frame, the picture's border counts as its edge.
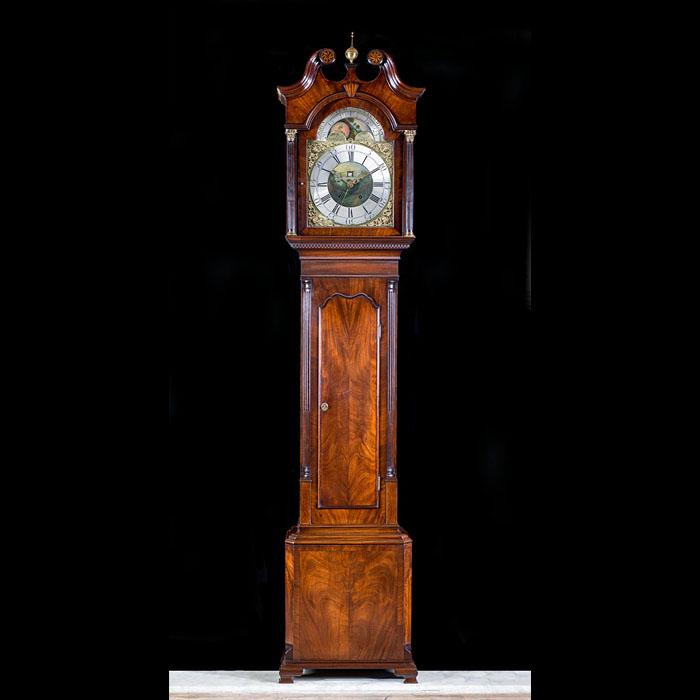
(350, 124)
(350, 184)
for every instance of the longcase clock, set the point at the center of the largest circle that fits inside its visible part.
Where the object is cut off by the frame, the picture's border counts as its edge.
(349, 216)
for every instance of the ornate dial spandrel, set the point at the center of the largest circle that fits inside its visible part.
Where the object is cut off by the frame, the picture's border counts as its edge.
(350, 184)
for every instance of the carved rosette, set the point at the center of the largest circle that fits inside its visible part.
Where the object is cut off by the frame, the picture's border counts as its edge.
(314, 149)
(375, 57)
(327, 56)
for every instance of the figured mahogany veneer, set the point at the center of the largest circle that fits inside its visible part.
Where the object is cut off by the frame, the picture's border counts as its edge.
(347, 561)
(348, 388)
(348, 599)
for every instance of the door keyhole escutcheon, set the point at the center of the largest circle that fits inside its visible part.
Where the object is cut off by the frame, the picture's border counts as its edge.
(324, 406)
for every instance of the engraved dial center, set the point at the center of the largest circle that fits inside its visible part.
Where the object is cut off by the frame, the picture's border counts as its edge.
(350, 184)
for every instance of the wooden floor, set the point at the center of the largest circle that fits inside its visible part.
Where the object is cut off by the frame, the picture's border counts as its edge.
(349, 685)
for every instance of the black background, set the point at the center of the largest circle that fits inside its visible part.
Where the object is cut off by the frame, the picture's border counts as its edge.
(465, 358)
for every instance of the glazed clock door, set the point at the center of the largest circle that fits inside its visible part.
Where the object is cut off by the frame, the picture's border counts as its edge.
(349, 392)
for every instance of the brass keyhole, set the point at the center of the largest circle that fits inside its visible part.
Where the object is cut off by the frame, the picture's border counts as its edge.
(324, 406)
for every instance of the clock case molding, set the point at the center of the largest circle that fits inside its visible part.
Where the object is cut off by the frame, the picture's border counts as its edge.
(348, 561)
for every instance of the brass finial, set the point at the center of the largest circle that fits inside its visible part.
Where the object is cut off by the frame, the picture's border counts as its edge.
(351, 53)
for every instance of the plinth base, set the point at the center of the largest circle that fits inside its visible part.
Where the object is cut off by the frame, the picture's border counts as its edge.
(291, 669)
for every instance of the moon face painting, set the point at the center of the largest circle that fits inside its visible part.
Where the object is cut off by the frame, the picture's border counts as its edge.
(350, 124)
(350, 129)
(340, 131)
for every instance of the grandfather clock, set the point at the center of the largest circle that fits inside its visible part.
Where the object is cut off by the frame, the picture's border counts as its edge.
(349, 216)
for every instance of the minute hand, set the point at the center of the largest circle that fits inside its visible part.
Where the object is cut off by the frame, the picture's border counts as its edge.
(350, 188)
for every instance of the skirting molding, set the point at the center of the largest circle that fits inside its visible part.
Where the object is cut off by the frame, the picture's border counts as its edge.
(383, 245)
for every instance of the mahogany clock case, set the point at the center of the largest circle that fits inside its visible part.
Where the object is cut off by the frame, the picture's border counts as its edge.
(463, 455)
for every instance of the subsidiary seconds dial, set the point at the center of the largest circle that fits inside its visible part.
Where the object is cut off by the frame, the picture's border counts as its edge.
(350, 184)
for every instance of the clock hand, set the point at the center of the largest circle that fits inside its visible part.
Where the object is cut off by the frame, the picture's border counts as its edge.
(348, 189)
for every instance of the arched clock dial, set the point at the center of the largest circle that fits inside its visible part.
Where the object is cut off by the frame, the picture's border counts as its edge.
(350, 124)
(350, 184)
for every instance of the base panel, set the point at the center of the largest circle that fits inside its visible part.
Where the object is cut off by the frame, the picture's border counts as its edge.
(405, 669)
